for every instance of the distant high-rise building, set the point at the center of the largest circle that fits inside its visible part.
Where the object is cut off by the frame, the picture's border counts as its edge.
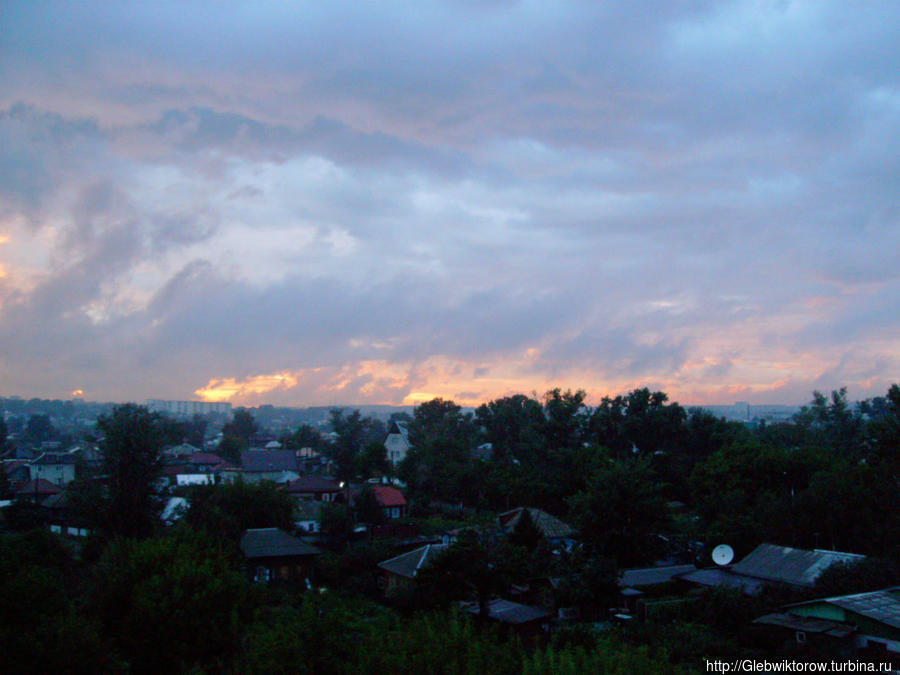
(188, 408)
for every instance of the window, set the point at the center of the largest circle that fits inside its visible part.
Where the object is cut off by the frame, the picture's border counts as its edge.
(262, 575)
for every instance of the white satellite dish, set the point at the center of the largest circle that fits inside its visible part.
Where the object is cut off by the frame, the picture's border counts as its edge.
(722, 554)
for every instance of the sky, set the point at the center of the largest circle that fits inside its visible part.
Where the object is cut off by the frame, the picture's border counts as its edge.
(353, 203)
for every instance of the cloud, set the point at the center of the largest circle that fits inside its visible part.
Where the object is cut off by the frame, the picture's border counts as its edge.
(466, 199)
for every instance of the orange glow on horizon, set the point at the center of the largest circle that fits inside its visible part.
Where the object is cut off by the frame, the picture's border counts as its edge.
(226, 389)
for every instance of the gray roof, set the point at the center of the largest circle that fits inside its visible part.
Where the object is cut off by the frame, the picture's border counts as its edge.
(882, 606)
(549, 526)
(650, 576)
(268, 461)
(807, 624)
(409, 564)
(508, 612)
(55, 458)
(794, 566)
(271, 542)
(718, 576)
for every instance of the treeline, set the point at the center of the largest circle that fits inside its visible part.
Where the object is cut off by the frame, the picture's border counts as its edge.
(177, 602)
(826, 479)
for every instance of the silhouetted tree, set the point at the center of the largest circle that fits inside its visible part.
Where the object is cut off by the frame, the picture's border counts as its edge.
(132, 460)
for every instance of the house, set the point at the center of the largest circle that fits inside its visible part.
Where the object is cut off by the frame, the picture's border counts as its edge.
(391, 500)
(527, 622)
(200, 468)
(867, 623)
(400, 572)
(60, 516)
(550, 527)
(307, 516)
(56, 467)
(274, 465)
(17, 470)
(36, 490)
(773, 565)
(316, 488)
(181, 451)
(397, 442)
(274, 556)
(652, 581)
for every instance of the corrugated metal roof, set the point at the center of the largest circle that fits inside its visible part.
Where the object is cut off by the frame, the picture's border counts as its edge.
(267, 461)
(882, 606)
(717, 576)
(807, 624)
(549, 526)
(408, 564)
(650, 576)
(507, 611)
(787, 565)
(271, 542)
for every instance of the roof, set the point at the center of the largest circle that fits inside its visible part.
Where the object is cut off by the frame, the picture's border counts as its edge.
(10, 465)
(787, 565)
(183, 449)
(651, 576)
(58, 500)
(882, 606)
(550, 526)
(266, 461)
(408, 564)
(389, 496)
(271, 542)
(807, 624)
(314, 483)
(398, 427)
(718, 576)
(39, 486)
(204, 458)
(54, 458)
(507, 611)
(175, 508)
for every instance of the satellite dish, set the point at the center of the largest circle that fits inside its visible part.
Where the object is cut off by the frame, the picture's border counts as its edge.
(722, 554)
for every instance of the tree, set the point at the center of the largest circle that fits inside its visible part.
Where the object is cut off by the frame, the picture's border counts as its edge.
(439, 462)
(461, 572)
(39, 429)
(236, 435)
(131, 452)
(195, 430)
(513, 426)
(526, 533)
(567, 418)
(171, 603)
(885, 426)
(226, 510)
(621, 509)
(303, 436)
(337, 523)
(41, 624)
(366, 507)
(373, 460)
(345, 451)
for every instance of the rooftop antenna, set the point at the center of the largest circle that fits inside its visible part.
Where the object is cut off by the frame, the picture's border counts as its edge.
(722, 554)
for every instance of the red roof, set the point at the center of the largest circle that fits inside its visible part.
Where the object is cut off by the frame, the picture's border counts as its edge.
(38, 486)
(389, 496)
